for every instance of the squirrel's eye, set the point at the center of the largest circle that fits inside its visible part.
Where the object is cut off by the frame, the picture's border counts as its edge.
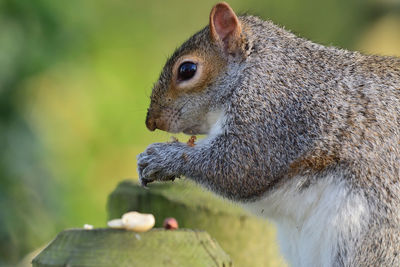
(186, 71)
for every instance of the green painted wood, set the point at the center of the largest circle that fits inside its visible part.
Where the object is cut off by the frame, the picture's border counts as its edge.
(115, 247)
(249, 241)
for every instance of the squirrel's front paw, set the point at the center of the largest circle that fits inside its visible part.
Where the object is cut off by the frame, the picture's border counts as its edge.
(155, 164)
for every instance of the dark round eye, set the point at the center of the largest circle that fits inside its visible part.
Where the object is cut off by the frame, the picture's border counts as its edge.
(186, 71)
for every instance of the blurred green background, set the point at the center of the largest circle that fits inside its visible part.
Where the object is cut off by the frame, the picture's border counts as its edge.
(75, 80)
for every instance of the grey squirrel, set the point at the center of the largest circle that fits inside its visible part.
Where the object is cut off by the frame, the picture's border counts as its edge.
(303, 134)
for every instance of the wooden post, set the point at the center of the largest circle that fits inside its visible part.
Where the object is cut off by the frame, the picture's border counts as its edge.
(249, 241)
(114, 247)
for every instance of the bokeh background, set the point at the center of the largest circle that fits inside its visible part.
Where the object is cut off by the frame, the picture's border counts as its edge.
(75, 80)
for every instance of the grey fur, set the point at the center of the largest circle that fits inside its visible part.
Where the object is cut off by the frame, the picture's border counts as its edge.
(293, 107)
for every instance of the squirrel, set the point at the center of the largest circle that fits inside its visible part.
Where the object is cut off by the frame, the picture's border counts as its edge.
(300, 133)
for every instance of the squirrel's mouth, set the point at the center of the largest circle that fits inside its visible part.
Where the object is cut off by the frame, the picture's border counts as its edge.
(189, 131)
(194, 130)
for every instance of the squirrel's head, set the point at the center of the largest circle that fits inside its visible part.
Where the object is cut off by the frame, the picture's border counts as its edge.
(188, 92)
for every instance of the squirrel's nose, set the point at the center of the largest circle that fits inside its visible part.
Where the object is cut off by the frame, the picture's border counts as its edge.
(150, 123)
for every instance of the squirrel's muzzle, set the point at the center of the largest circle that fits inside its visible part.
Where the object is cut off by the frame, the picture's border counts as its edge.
(156, 120)
(150, 122)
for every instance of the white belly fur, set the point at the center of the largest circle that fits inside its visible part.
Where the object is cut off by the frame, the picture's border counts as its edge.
(315, 223)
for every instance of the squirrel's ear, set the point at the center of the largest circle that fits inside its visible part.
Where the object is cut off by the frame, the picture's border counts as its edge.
(225, 27)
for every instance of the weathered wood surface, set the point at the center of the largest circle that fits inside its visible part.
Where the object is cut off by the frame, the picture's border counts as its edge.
(114, 247)
(249, 241)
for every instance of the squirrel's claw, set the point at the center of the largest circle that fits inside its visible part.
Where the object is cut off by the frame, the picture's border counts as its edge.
(144, 183)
